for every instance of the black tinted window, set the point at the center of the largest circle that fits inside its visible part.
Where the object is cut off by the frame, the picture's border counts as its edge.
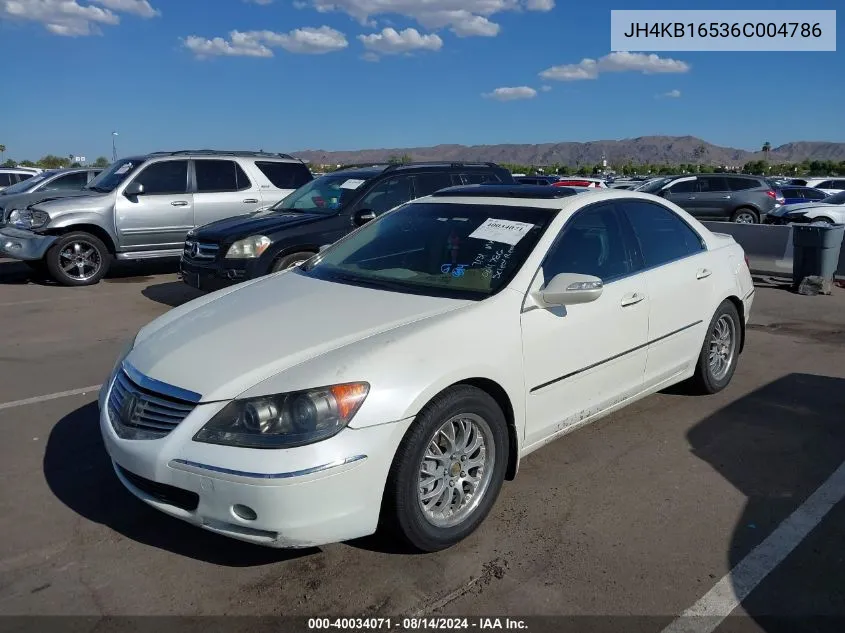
(792, 193)
(429, 183)
(663, 236)
(827, 184)
(686, 186)
(387, 194)
(812, 194)
(592, 243)
(285, 175)
(742, 184)
(713, 183)
(837, 184)
(166, 177)
(68, 182)
(23, 177)
(216, 175)
(5, 180)
(479, 178)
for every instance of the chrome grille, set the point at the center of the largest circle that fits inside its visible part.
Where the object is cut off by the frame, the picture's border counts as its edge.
(139, 413)
(200, 250)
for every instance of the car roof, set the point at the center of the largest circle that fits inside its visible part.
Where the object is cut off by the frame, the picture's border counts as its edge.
(487, 194)
(530, 192)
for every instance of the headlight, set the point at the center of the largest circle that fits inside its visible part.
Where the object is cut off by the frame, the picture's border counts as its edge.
(249, 248)
(285, 420)
(28, 218)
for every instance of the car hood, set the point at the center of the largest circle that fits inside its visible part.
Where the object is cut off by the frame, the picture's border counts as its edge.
(801, 206)
(23, 200)
(85, 200)
(222, 345)
(258, 223)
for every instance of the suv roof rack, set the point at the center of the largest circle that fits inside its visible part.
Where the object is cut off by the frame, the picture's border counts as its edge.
(489, 190)
(444, 163)
(216, 152)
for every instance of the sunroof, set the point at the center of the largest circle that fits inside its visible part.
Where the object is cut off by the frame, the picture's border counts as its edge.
(542, 192)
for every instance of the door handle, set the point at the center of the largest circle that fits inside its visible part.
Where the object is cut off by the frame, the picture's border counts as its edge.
(726, 197)
(703, 273)
(179, 203)
(250, 201)
(691, 198)
(632, 299)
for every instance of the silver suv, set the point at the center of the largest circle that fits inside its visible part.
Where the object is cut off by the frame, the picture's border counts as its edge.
(143, 207)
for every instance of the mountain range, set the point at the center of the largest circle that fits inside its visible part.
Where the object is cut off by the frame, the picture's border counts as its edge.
(644, 149)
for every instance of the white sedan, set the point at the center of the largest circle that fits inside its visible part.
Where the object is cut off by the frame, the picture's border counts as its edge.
(830, 210)
(397, 378)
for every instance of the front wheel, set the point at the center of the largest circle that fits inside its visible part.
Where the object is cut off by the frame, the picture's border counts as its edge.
(290, 261)
(78, 259)
(719, 355)
(448, 470)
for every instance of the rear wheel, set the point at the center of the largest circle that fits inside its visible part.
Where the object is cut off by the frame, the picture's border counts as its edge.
(289, 261)
(720, 351)
(745, 216)
(448, 470)
(78, 259)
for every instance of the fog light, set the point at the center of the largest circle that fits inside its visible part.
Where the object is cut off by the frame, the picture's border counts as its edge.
(12, 246)
(244, 512)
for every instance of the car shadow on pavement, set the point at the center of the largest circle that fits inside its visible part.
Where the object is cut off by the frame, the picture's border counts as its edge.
(173, 293)
(15, 272)
(79, 472)
(777, 446)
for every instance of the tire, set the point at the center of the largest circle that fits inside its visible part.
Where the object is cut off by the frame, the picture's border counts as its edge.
(825, 220)
(437, 527)
(289, 261)
(78, 259)
(745, 215)
(710, 380)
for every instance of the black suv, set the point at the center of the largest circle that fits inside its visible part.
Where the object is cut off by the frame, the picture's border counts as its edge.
(743, 199)
(315, 215)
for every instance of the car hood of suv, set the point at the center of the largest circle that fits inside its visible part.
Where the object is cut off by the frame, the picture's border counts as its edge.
(259, 223)
(222, 345)
(23, 200)
(84, 200)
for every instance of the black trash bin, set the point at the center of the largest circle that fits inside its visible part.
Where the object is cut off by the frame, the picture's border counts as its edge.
(816, 249)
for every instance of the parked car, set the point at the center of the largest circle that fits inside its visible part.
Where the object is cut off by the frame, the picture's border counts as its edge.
(13, 175)
(743, 199)
(324, 210)
(797, 195)
(578, 181)
(399, 377)
(653, 185)
(536, 180)
(143, 207)
(830, 210)
(72, 179)
(828, 185)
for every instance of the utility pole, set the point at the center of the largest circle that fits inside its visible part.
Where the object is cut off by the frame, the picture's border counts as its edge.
(113, 147)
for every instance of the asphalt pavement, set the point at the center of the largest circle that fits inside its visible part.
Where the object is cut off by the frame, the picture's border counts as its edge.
(643, 513)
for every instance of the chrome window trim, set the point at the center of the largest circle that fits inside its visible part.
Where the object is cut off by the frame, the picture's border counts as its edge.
(163, 388)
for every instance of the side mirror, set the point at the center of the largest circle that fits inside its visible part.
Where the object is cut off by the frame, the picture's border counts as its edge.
(362, 216)
(133, 189)
(568, 289)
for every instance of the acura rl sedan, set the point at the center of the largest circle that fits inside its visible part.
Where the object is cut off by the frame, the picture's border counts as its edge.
(396, 379)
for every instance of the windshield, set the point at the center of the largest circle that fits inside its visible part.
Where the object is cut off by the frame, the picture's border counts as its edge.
(465, 251)
(652, 186)
(326, 194)
(836, 198)
(114, 175)
(26, 185)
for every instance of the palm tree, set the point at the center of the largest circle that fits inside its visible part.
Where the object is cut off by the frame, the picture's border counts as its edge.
(767, 147)
(2, 151)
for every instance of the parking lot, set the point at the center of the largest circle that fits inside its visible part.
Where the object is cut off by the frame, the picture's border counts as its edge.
(639, 514)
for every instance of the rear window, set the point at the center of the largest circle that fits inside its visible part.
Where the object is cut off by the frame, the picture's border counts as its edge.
(285, 175)
(5, 180)
(479, 178)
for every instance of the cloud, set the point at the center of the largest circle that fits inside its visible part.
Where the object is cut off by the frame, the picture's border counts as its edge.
(71, 19)
(261, 2)
(465, 18)
(370, 56)
(618, 62)
(672, 94)
(511, 94)
(545, 88)
(391, 42)
(304, 41)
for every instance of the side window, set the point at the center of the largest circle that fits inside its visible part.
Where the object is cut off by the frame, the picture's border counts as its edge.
(426, 184)
(742, 184)
(216, 176)
(67, 182)
(591, 243)
(792, 193)
(811, 194)
(5, 180)
(22, 177)
(827, 184)
(663, 236)
(166, 177)
(686, 186)
(479, 178)
(838, 184)
(387, 194)
(713, 183)
(285, 175)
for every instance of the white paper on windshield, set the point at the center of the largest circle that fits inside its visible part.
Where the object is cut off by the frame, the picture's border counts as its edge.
(505, 231)
(352, 183)
(123, 168)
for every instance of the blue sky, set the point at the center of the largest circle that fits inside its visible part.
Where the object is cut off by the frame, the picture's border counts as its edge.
(324, 74)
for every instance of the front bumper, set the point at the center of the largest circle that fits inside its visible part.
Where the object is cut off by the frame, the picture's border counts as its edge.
(215, 275)
(24, 245)
(312, 495)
